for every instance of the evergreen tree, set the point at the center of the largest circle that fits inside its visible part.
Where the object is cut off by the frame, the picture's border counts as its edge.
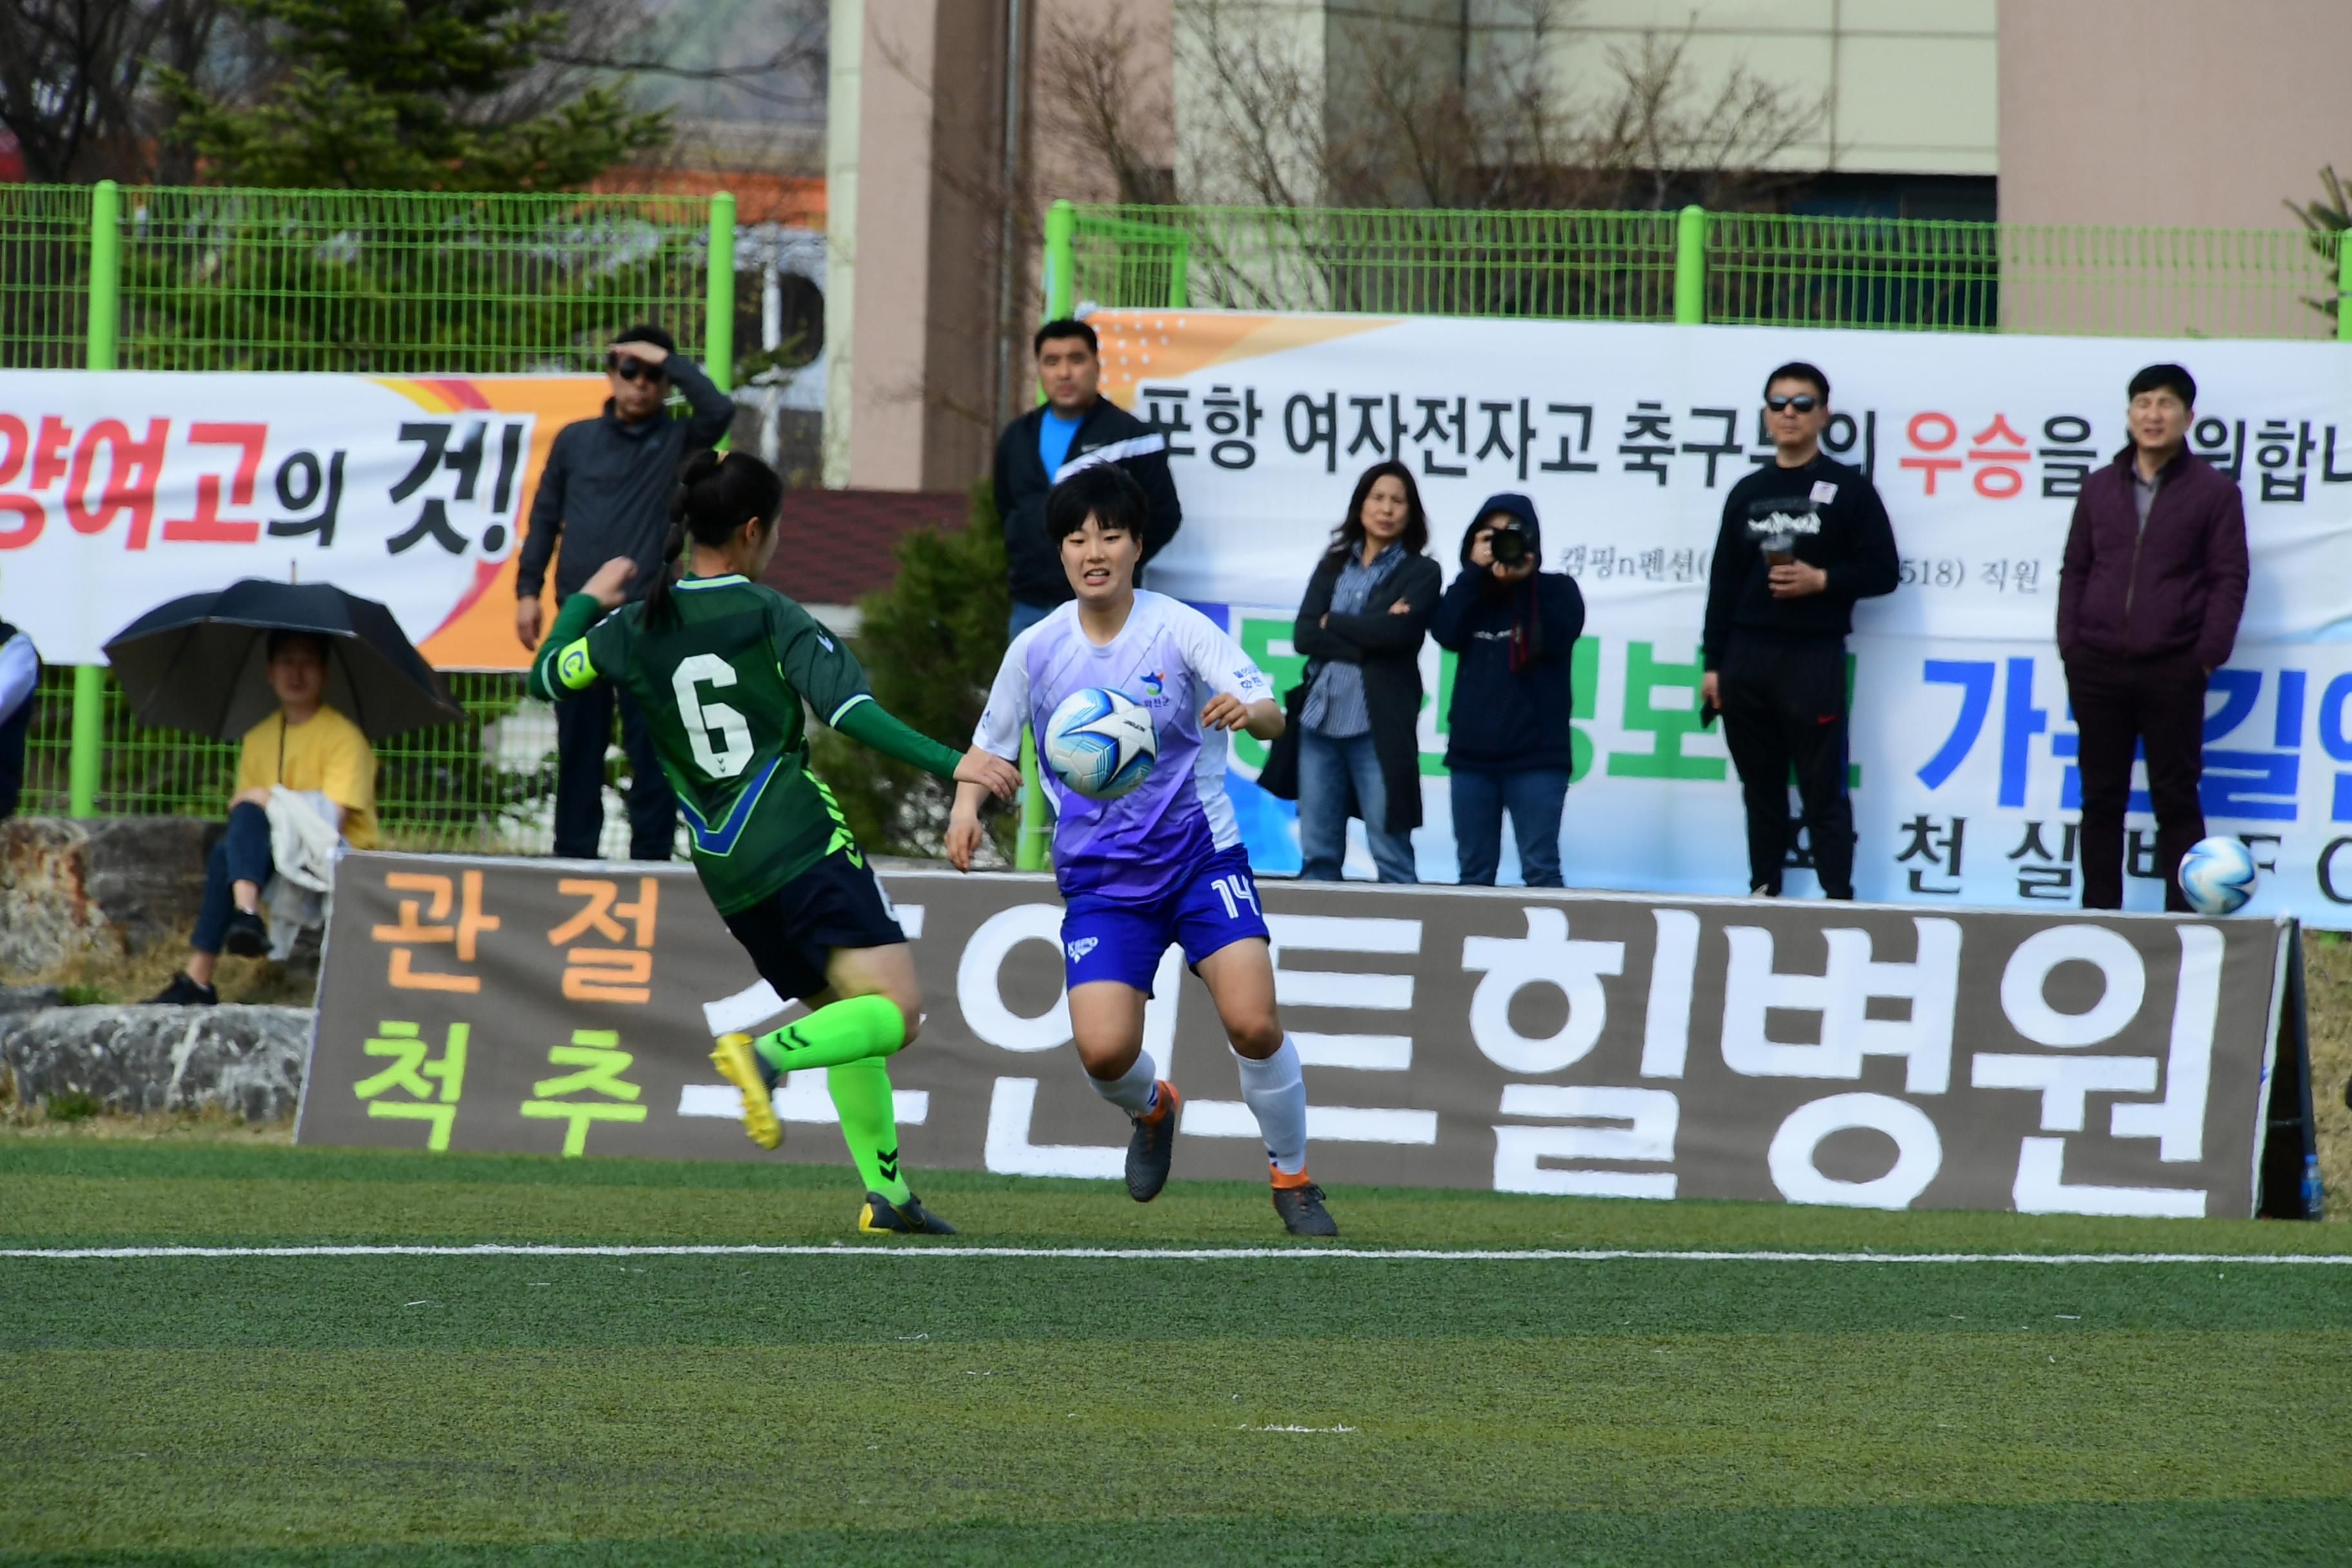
(930, 643)
(411, 95)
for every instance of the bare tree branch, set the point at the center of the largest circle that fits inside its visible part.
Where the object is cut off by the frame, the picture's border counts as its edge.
(75, 74)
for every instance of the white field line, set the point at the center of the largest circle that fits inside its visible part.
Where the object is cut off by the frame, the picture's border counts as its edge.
(1174, 1254)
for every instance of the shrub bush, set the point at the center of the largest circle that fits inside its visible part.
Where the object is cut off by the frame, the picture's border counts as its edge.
(930, 643)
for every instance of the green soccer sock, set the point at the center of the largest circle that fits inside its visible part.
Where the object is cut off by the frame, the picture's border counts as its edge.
(847, 1031)
(861, 1093)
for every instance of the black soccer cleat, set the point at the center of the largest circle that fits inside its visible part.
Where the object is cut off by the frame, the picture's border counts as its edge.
(880, 1216)
(1302, 1211)
(1151, 1146)
(246, 936)
(184, 992)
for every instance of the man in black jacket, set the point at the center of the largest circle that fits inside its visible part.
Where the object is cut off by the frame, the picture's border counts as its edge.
(1513, 628)
(1074, 428)
(607, 491)
(1802, 538)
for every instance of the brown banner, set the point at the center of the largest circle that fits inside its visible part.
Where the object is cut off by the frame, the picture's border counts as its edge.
(1510, 1039)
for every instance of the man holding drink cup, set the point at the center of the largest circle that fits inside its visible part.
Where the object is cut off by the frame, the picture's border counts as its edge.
(1802, 538)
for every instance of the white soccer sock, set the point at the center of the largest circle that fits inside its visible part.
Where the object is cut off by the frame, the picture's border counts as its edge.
(1276, 1093)
(1131, 1091)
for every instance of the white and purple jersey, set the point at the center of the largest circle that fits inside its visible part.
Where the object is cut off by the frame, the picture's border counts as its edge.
(1171, 658)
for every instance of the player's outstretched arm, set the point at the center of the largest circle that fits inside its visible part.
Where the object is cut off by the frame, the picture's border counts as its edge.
(554, 677)
(1262, 718)
(963, 821)
(867, 722)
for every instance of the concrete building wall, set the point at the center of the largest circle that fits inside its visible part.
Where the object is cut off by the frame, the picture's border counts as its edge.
(1062, 160)
(911, 287)
(1251, 81)
(2162, 112)
(845, 78)
(1909, 85)
(918, 203)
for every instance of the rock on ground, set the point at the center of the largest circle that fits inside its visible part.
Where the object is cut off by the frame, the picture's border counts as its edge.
(246, 1060)
(110, 887)
(30, 998)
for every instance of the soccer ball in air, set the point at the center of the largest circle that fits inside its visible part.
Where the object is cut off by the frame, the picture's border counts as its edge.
(2217, 876)
(1101, 744)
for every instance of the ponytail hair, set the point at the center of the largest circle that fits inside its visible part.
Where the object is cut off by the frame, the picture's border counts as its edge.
(716, 493)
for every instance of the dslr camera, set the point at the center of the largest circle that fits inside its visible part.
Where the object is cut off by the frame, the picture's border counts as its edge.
(1508, 542)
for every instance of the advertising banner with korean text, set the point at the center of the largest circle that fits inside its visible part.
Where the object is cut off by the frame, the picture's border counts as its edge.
(1628, 436)
(120, 490)
(1522, 1042)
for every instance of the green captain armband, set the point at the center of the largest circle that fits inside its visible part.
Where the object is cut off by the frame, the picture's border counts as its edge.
(563, 665)
(867, 721)
(572, 665)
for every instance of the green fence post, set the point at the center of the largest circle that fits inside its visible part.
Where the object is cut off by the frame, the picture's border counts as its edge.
(1030, 848)
(105, 274)
(1180, 277)
(2343, 287)
(1061, 233)
(88, 732)
(1690, 267)
(719, 297)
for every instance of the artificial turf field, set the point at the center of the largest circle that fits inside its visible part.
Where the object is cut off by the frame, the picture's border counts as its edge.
(860, 1404)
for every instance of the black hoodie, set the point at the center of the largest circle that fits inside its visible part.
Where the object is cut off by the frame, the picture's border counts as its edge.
(1512, 699)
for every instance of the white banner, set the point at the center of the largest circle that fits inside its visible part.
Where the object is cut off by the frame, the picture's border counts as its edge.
(1628, 436)
(120, 490)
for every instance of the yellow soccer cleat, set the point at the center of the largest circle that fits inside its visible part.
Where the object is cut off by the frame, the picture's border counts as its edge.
(740, 1066)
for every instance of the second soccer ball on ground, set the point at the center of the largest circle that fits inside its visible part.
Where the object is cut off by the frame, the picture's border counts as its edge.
(2217, 876)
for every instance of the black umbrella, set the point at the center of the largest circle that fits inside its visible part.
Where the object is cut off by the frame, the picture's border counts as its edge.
(200, 663)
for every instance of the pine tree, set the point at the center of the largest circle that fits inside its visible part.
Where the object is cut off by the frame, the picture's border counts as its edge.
(410, 95)
(930, 643)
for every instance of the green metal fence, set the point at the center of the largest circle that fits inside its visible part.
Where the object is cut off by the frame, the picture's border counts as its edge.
(141, 277)
(487, 785)
(1754, 268)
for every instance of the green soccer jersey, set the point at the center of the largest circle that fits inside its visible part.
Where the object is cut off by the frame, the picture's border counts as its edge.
(722, 686)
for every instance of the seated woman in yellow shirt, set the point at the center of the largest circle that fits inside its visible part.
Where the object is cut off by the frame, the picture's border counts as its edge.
(305, 745)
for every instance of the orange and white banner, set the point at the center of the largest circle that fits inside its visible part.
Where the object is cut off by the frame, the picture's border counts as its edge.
(120, 490)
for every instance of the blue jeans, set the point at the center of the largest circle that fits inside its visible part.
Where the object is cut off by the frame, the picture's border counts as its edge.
(1023, 616)
(1338, 779)
(241, 855)
(1534, 796)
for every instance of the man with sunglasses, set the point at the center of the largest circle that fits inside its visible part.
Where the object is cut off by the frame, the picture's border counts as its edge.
(605, 492)
(1802, 538)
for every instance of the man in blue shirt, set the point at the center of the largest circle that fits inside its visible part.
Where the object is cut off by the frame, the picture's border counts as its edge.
(1074, 428)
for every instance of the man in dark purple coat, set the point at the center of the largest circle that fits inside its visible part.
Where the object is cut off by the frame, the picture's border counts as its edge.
(2154, 582)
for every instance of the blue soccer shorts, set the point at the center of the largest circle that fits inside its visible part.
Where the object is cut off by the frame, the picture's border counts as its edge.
(1123, 939)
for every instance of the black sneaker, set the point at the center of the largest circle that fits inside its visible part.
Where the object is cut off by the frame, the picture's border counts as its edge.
(1151, 1145)
(246, 936)
(1302, 1211)
(184, 992)
(880, 1216)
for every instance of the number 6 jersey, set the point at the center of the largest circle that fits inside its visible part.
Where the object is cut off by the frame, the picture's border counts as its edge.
(721, 687)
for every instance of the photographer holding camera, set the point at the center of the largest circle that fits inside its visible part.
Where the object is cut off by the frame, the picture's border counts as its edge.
(1512, 627)
(1801, 539)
